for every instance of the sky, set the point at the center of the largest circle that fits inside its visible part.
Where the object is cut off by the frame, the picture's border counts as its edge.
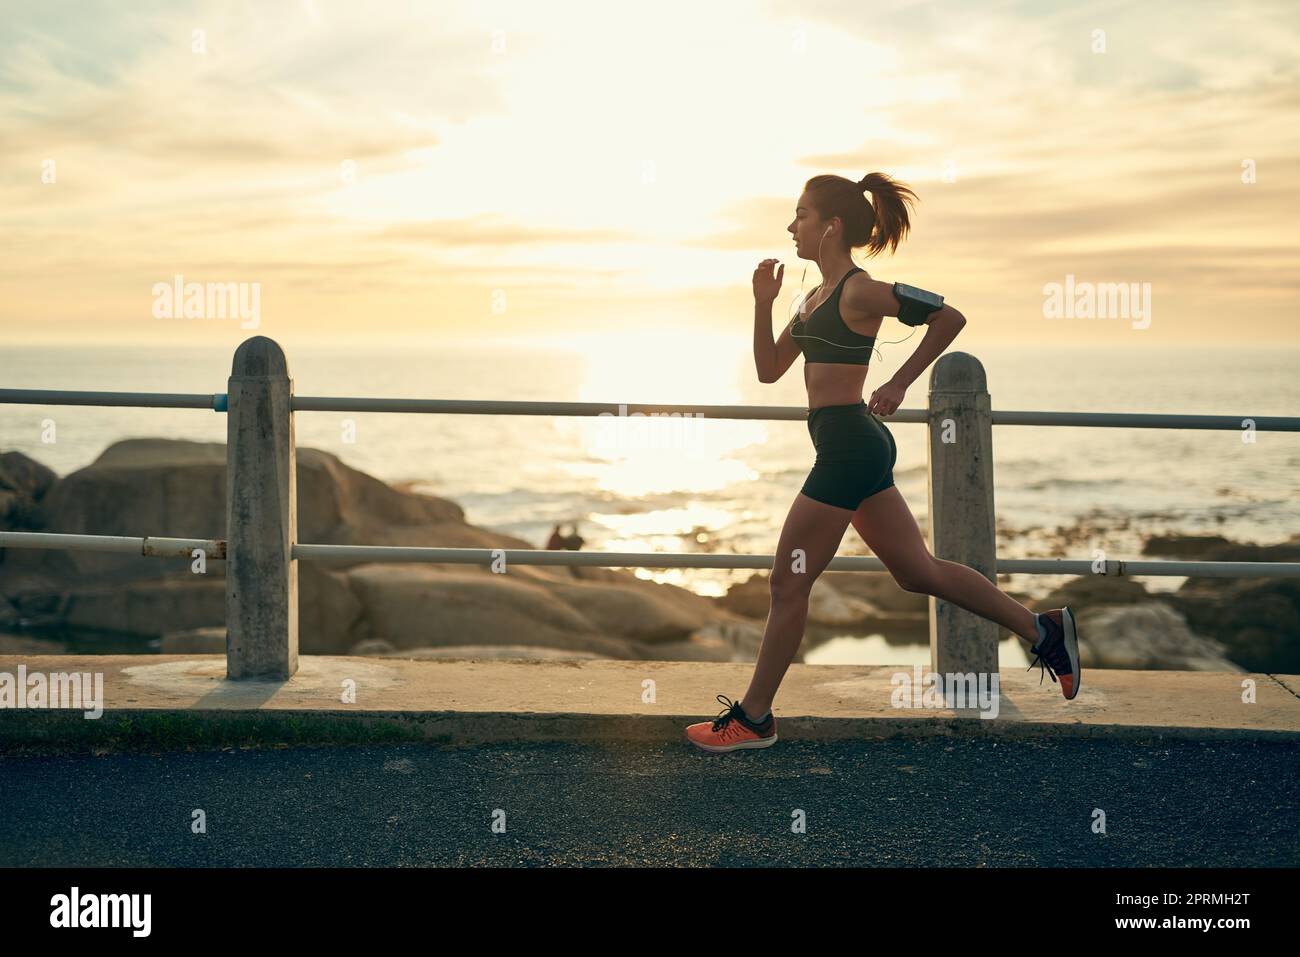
(551, 172)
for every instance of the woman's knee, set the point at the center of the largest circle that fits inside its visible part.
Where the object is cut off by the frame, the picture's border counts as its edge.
(916, 576)
(785, 584)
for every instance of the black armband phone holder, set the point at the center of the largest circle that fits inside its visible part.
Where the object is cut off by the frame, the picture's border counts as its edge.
(915, 305)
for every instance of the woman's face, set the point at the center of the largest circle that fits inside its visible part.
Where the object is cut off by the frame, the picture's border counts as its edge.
(806, 228)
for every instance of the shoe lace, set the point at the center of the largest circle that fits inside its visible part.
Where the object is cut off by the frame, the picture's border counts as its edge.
(722, 720)
(1052, 656)
(1041, 659)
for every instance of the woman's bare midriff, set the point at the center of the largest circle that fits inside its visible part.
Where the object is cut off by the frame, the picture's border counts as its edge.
(830, 383)
(836, 383)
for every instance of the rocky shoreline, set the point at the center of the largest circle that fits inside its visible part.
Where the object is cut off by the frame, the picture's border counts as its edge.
(177, 488)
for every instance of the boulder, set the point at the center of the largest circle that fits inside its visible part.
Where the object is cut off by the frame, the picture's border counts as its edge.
(740, 640)
(880, 590)
(1182, 547)
(410, 606)
(1256, 619)
(8, 613)
(23, 483)
(1216, 548)
(177, 489)
(1148, 637)
(1087, 591)
(331, 618)
(850, 600)
(153, 607)
(750, 598)
(1254, 623)
(641, 611)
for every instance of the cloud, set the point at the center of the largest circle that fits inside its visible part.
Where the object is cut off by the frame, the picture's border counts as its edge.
(564, 153)
(498, 232)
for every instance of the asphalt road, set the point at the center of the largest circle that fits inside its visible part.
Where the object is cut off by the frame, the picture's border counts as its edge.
(892, 803)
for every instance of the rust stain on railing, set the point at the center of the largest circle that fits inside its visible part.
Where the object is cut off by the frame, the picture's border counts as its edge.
(156, 547)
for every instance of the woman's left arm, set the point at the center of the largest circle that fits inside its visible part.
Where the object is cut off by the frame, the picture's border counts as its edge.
(877, 298)
(943, 326)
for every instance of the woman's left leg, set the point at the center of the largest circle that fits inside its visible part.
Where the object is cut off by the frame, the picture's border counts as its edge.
(888, 527)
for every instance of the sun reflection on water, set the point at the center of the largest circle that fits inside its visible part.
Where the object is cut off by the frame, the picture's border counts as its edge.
(633, 454)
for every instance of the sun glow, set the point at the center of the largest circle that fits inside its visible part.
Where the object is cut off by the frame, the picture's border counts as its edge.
(636, 454)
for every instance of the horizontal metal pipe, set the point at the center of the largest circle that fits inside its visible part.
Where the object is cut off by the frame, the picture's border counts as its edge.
(1148, 420)
(520, 556)
(525, 556)
(157, 400)
(160, 547)
(151, 546)
(217, 401)
(1158, 569)
(1141, 420)
(303, 403)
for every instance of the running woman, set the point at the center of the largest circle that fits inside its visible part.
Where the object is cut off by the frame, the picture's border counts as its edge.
(852, 476)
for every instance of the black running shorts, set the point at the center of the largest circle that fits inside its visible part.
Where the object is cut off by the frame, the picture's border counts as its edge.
(855, 455)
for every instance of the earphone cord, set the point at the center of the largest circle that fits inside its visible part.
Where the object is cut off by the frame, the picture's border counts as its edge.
(838, 345)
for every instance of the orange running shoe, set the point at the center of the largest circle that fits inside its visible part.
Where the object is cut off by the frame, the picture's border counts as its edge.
(1059, 651)
(732, 730)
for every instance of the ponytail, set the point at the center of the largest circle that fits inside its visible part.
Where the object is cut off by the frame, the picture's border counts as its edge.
(879, 224)
(889, 203)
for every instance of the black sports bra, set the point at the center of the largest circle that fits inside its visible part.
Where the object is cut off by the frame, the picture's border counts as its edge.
(826, 338)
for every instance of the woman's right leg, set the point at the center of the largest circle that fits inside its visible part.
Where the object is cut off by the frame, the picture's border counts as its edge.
(809, 539)
(889, 529)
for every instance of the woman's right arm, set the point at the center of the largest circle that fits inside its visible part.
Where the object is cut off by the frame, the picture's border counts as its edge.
(771, 358)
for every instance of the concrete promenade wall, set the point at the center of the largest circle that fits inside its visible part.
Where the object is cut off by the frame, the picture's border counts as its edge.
(158, 701)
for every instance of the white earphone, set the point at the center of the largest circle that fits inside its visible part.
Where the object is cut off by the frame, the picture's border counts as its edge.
(799, 317)
(799, 310)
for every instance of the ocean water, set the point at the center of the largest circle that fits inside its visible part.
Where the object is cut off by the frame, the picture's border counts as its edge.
(725, 485)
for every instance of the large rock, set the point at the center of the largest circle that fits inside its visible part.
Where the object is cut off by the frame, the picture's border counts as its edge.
(1089, 591)
(23, 474)
(1216, 548)
(850, 600)
(1182, 547)
(880, 590)
(331, 618)
(1256, 619)
(1252, 622)
(1150, 637)
(136, 487)
(8, 613)
(410, 607)
(177, 489)
(23, 483)
(737, 640)
(146, 607)
(639, 610)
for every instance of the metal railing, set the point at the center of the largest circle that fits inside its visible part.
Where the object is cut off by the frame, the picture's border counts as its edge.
(261, 504)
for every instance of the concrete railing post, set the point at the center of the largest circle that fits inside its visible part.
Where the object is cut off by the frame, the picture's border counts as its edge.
(261, 515)
(962, 527)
